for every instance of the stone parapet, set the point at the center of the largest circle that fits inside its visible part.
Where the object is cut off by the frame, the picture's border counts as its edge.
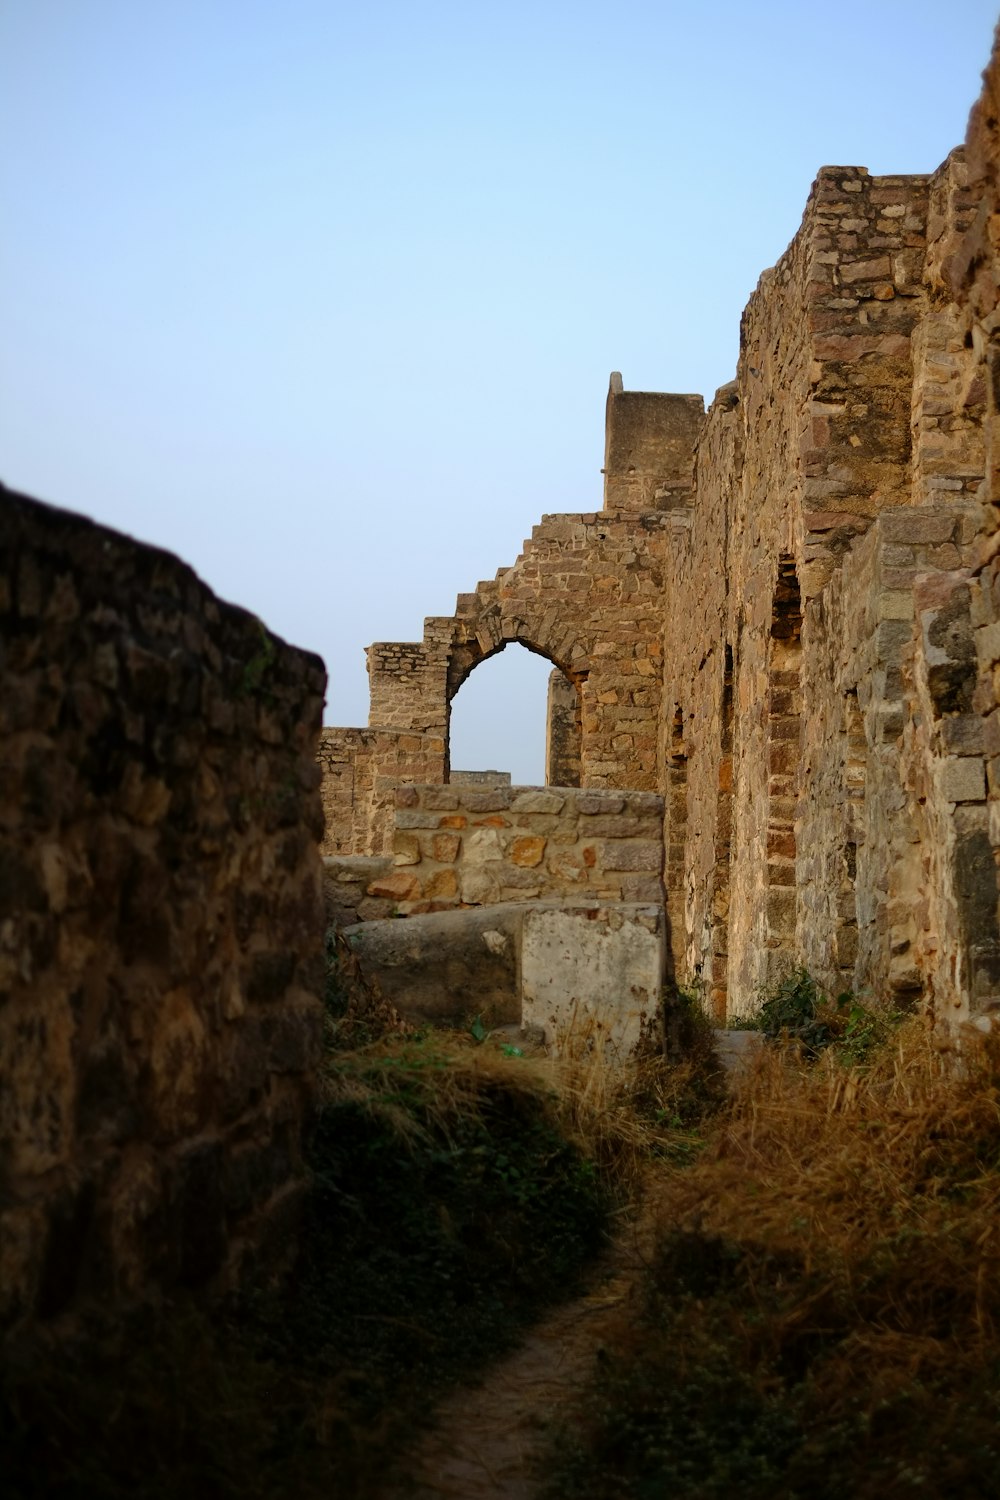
(465, 846)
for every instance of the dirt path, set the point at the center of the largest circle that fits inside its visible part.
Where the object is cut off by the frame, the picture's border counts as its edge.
(486, 1439)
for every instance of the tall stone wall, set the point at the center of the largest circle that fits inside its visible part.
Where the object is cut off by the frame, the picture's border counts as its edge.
(787, 618)
(160, 921)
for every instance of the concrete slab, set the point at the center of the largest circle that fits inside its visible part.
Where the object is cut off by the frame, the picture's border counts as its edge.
(593, 974)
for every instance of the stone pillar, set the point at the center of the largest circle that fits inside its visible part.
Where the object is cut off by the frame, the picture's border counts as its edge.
(562, 732)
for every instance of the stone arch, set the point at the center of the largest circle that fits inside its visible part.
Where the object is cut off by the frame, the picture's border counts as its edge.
(467, 656)
(585, 594)
(493, 633)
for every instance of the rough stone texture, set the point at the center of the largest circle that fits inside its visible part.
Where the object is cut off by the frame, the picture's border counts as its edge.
(361, 770)
(649, 448)
(586, 593)
(563, 732)
(786, 620)
(466, 845)
(593, 976)
(346, 882)
(447, 966)
(160, 921)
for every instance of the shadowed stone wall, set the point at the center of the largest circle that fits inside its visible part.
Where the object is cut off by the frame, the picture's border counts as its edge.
(160, 922)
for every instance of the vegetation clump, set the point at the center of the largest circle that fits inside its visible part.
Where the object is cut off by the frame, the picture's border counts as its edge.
(822, 1313)
(798, 1011)
(455, 1190)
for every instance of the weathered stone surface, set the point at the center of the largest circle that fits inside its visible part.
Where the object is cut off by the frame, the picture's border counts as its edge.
(528, 850)
(537, 801)
(446, 966)
(531, 849)
(593, 976)
(446, 846)
(797, 646)
(161, 917)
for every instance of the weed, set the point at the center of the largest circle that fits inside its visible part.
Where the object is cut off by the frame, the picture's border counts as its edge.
(797, 1010)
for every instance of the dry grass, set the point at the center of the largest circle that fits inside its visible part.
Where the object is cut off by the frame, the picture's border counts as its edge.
(824, 1306)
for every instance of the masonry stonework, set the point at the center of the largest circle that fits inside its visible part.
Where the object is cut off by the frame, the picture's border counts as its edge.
(786, 618)
(160, 923)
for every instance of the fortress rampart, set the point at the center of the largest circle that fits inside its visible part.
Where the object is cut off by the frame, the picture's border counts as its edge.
(783, 619)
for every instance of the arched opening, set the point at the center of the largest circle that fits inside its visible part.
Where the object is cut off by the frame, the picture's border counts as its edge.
(517, 714)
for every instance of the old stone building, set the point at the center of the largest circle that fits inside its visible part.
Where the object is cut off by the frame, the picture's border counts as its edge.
(785, 619)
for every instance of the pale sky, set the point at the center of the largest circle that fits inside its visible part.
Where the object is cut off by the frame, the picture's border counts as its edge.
(324, 297)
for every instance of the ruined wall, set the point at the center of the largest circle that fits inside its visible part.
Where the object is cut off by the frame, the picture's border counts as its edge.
(649, 439)
(586, 594)
(459, 845)
(787, 619)
(798, 456)
(361, 769)
(160, 921)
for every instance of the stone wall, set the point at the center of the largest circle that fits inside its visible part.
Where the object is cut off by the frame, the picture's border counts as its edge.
(458, 845)
(563, 732)
(361, 769)
(786, 620)
(586, 594)
(160, 922)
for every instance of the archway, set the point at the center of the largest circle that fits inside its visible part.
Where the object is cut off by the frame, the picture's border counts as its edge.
(515, 713)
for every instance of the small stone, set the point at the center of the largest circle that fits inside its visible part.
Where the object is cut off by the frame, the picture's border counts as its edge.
(446, 847)
(527, 851)
(441, 885)
(406, 849)
(395, 887)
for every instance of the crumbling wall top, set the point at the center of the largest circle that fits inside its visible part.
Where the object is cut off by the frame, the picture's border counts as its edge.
(649, 446)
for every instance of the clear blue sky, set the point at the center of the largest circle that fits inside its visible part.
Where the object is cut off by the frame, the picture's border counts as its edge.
(324, 297)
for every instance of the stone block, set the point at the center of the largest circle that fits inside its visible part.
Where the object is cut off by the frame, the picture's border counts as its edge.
(567, 865)
(527, 851)
(895, 604)
(588, 803)
(446, 966)
(479, 887)
(963, 779)
(482, 845)
(497, 799)
(632, 854)
(406, 848)
(916, 524)
(445, 847)
(395, 887)
(964, 734)
(418, 818)
(537, 801)
(587, 980)
(441, 886)
(439, 798)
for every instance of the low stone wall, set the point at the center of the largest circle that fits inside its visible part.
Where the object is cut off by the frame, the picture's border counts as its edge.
(592, 977)
(160, 922)
(349, 882)
(463, 846)
(581, 974)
